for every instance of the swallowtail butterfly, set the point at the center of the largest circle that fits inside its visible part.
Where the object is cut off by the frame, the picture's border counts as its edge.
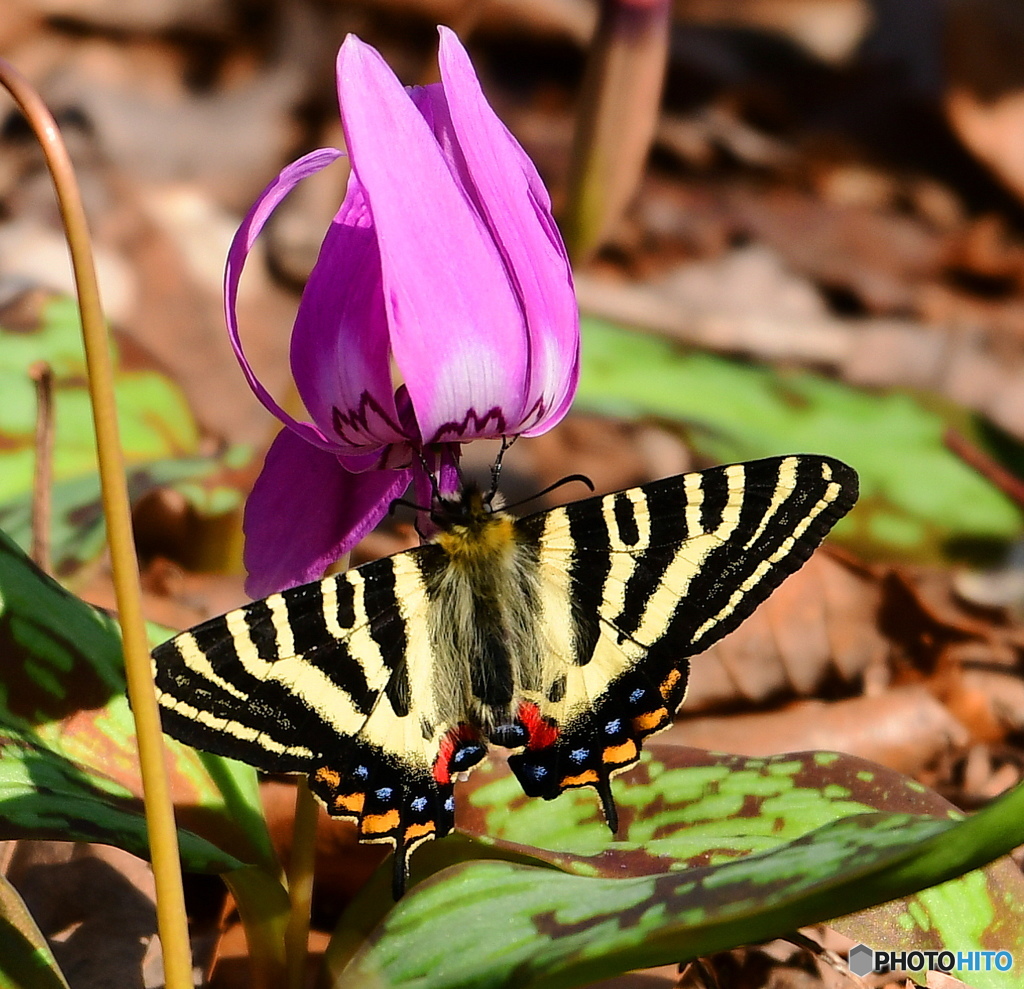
(562, 635)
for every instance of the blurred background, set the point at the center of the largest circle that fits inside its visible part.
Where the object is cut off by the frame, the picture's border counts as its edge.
(797, 226)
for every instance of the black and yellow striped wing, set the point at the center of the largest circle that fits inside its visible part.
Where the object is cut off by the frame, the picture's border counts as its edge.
(653, 575)
(324, 679)
(363, 680)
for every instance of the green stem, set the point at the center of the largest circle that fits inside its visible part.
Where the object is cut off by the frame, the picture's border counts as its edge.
(300, 884)
(172, 923)
(300, 870)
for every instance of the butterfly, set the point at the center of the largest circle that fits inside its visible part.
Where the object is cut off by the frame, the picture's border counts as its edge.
(562, 636)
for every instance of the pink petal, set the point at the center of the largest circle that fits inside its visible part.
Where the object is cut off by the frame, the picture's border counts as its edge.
(508, 192)
(242, 243)
(340, 347)
(456, 326)
(305, 510)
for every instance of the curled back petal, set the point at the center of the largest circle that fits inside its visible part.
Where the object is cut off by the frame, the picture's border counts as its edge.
(340, 347)
(305, 510)
(508, 193)
(242, 243)
(457, 332)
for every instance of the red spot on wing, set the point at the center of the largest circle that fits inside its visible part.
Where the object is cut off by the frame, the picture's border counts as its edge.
(541, 731)
(450, 744)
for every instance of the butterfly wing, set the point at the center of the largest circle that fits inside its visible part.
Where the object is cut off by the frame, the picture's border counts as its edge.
(653, 575)
(319, 679)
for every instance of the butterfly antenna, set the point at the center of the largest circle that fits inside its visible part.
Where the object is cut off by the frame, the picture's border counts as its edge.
(435, 490)
(506, 444)
(405, 503)
(568, 479)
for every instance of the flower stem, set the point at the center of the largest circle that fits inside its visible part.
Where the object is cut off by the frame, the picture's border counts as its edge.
(172, 923)
(619, 104)
(300, 883)
(42, 481)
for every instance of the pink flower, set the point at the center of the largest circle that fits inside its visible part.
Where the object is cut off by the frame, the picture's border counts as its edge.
(442, 269)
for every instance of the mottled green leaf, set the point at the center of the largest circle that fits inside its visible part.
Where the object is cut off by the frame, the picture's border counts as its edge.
(26, 961)
(684, 807)
(500, 924)
(159, 435)
(45, 795)
(690, 807)
(155, 419)
(916, 496)
(62, 689)
(77, 529)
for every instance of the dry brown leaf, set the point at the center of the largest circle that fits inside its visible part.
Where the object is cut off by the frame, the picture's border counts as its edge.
(905, 729)
(820, 626)
(83, 896)
(969, 656)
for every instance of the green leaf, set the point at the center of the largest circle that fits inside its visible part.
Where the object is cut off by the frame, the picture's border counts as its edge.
(916, 496)
(264, 910)
(154, 417)
(685, 808)
(77, 529)
(45, 795)
(159, 435)
(26, 961)
(63, 710)
(498, 924)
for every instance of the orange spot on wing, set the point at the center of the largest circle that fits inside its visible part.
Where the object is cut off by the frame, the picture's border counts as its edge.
(351, 802)
(415, 831)
(651, 720)
(328, 776)
(618, 754)
(590, 776)
(379, 823)
(669, 683)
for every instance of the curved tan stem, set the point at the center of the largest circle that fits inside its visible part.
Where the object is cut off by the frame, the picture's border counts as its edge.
(163, 840)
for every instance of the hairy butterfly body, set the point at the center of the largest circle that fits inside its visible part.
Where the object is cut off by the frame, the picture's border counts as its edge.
(562, 635)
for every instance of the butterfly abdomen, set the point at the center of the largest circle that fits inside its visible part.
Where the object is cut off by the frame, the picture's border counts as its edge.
(482, 577)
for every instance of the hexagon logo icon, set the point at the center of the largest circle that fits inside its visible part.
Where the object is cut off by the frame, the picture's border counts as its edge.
(861, 959)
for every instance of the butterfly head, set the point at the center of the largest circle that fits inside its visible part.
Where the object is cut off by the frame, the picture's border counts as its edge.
(471, 523)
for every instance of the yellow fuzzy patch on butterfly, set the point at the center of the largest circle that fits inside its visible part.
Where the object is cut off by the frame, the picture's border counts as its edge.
(380, 823)
(494, 536)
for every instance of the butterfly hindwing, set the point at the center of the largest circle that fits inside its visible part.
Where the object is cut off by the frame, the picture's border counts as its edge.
(656, 574)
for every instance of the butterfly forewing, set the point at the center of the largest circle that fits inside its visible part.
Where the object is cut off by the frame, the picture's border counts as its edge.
(586, 615)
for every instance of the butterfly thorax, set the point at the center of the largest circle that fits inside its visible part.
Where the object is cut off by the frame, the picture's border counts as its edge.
(481, 573)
